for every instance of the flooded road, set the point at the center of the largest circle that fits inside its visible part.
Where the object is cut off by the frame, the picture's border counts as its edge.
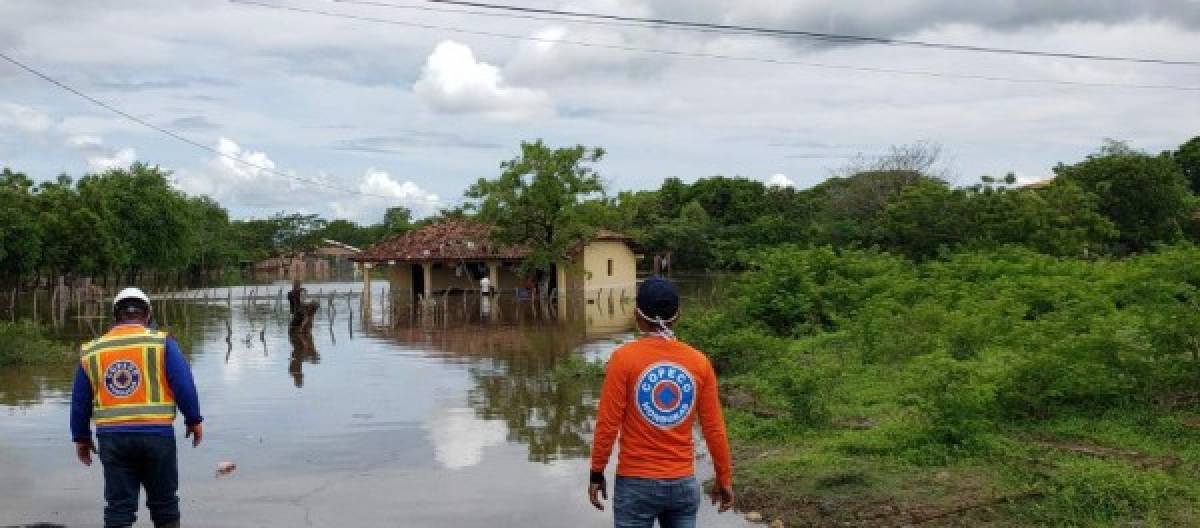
(462, 424)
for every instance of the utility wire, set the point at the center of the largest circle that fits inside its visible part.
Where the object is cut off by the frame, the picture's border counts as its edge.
(177, 136)
(831, 37)
(718, 56)
(519, 16)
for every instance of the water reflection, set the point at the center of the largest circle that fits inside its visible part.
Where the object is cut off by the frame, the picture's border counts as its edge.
(516, 382)
(24, 386)
(303, 351)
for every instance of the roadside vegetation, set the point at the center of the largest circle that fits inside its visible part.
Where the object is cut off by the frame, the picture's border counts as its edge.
(996, 356)
(132, 225)
(26, 343)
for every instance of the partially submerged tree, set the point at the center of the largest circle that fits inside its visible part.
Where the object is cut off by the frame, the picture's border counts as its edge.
(536, 200)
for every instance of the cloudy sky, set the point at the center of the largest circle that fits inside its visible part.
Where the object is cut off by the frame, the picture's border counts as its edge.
(411, 112)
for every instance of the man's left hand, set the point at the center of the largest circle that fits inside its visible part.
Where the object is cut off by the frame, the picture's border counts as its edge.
(84, 450)
(597, 487)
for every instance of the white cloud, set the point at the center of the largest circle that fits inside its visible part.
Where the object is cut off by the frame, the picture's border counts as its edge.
(24, 119)
(241, 176)
(84, 142)
(378, 182)
(252, 183)
(98, 156)
(780, 180)
(453, 81)
(459, 437)
(120, 158)
(380, 191)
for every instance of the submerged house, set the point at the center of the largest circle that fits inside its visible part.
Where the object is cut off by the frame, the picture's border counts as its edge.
(454, 255)
(331, 259)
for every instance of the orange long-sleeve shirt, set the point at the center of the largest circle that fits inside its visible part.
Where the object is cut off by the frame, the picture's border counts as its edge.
(654, 390)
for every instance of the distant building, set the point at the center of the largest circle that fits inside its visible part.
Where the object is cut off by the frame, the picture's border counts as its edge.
(1039, 184)
(329, 260)
(455, 254)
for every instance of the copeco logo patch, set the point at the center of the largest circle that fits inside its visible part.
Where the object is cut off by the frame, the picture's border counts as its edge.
(122, 378)
(666, 394)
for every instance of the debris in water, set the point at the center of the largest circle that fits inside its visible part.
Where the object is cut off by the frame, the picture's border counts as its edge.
(225, 467)
(754, 517)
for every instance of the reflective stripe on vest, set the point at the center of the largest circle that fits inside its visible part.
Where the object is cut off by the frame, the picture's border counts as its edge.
(128, 378)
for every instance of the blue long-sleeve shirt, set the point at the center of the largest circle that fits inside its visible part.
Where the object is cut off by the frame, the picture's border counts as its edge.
(179, 377)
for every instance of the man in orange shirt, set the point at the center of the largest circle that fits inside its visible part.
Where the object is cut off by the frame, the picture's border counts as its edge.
(654, 388)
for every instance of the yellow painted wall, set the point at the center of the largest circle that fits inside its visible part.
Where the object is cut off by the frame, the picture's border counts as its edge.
(595, 266)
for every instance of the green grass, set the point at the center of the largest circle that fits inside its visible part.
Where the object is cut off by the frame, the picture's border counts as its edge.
(874, 464)
(575, 367)
(26, 343)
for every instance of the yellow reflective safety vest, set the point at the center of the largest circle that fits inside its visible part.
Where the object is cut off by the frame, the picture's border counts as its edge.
(129, 382)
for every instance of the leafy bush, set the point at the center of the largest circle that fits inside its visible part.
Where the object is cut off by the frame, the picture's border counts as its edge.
(804, 392)
(1088, 492)
(733, 347)
(796, 292)
(25, 343)
(955, 399)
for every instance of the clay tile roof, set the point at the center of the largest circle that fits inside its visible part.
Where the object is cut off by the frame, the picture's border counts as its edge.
(457, 239)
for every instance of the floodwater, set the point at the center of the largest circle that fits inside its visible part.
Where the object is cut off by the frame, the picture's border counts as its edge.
(461, 423)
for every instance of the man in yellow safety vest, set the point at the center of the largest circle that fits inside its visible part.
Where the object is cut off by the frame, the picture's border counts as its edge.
(131, 382)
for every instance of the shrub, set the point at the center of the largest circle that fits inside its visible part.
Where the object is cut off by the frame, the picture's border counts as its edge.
(25, 343)
(955, 399)
(733, 348)
(1087, 492)
(796, 292)
(1093, 367)
(805, 395)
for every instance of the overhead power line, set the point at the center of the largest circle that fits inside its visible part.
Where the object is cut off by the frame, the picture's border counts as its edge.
(790, 33)
(717, 56)
(178, 137)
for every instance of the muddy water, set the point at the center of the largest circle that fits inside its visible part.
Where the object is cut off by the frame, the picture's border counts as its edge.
(458, 424)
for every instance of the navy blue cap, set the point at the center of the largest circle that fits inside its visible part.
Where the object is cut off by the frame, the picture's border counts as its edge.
(656, 297)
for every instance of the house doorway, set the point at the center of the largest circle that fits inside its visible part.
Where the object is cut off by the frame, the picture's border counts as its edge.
(418, 280)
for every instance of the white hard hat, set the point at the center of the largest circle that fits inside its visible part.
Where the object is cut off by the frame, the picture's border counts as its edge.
(131, 293)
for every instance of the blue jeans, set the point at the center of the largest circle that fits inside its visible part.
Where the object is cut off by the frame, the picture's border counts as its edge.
(637, 502)
(133, 461)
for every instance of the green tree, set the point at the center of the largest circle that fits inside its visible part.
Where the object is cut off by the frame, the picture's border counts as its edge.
(82, 242)
(1188, 159)
(686, 238)
(214, 248)
(20, 234)
(348, 232)
(148, 215)
(535, 202)
(397, 220)
(296, 232)
(1145, 196)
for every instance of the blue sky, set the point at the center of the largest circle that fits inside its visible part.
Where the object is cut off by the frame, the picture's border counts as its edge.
(412, 116)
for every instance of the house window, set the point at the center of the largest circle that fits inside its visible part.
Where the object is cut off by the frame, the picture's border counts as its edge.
(610, 266)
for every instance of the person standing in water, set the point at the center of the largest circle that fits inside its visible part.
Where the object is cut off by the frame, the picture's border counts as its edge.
(130, 382)
(654, 390)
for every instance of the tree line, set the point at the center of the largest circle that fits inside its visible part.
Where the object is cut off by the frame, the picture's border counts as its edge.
(1116, 202)
(131, 224)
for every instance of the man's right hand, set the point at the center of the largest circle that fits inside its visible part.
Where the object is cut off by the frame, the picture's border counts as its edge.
(723, 497)
(84, 451)
(196, 432)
